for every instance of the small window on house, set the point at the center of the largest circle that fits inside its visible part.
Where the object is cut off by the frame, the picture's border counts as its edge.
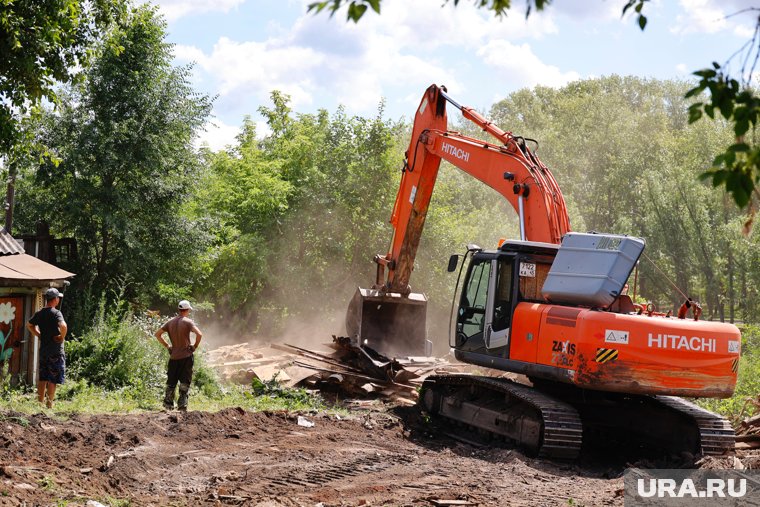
(62, 252)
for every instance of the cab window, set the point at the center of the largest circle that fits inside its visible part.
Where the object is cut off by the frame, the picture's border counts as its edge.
(502, 305)
(472, 308)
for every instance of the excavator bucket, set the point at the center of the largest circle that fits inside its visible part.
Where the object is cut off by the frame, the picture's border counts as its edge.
(391, 324)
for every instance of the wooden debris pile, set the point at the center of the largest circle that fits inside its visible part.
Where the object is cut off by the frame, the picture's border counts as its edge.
(243, 362)
(354, 372)
(748, 434)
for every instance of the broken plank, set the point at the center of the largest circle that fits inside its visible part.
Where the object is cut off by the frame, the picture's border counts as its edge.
(404, 401)
(313, 355)
(747, 445)
(350, 374)
(297, 374)
(258, 361)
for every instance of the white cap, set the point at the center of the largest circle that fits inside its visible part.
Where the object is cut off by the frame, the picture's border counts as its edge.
(184, 305)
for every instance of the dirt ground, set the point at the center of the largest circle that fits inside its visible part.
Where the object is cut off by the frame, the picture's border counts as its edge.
(234, 457)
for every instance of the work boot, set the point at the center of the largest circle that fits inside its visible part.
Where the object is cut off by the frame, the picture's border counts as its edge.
(169, 397)
(184, 390)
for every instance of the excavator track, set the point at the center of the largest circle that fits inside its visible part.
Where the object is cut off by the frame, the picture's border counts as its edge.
(717, 437)
(540, 423)
(550, 423)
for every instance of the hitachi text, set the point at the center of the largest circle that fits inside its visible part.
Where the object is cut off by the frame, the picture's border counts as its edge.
(679, 342)
(455, 152)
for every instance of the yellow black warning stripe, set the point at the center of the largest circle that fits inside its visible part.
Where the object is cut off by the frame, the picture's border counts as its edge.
(606, 355)
(735, 365)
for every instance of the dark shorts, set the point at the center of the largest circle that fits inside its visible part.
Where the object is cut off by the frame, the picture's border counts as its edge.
(180, 370)
(53, 369)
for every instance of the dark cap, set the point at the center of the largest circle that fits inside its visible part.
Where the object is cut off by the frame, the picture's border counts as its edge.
(52, 293)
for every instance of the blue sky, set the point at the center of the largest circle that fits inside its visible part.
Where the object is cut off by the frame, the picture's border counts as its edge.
(244, 49)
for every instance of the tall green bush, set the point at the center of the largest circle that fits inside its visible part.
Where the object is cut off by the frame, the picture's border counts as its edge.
(119, 352)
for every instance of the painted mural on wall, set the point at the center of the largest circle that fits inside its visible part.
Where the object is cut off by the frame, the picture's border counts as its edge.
(11, 331)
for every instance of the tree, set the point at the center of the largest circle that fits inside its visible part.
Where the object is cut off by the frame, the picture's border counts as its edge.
(626, 156)
(42, 43)
(124, 142)
(244, 195)
(737, 166)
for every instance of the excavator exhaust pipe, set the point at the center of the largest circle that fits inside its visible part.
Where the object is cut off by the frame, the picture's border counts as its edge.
(389, 323)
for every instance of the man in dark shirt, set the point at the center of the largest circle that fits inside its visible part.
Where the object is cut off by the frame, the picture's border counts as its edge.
(180, 367)
(48, 325)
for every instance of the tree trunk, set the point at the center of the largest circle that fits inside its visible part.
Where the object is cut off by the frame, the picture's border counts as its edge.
(100, 277)
(9, 197)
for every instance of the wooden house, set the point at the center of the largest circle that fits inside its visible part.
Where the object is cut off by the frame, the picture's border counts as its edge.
(23, 281)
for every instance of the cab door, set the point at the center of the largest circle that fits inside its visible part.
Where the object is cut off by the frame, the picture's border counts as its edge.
(500, 298)
(471, 314)
(485, 306)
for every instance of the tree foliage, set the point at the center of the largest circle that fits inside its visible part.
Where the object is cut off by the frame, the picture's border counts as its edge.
(43, 43)
(737, 165)
(125, 163)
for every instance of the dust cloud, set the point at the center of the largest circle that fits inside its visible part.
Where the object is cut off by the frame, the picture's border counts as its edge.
(312, 279)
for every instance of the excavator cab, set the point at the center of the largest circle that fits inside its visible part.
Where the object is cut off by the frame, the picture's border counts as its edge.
(495, 282)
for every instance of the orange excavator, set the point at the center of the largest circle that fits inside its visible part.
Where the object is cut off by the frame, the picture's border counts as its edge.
(551, 306)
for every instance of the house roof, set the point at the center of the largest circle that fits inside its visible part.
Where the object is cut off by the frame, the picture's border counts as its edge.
(8, 245)
(26, 270)
(18, 269)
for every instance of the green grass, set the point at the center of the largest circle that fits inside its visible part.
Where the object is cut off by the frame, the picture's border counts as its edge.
(47, 483)
(117, 366)
(117, 502)
(92, 400)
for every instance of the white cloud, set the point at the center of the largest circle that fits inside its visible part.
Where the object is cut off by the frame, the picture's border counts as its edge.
(243, 68)
(700, 16)
(712, 16)
(744, 31)
(426, 24)
(175, 9)
(218, 135)
(589, 11)
(681, 68)
(520, 67)
(355, 63)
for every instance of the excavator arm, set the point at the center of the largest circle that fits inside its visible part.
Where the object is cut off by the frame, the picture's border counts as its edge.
(389, 317)
(509, 167)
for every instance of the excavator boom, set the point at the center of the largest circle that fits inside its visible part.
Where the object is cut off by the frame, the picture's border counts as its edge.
(389, 316)
(509, 167)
